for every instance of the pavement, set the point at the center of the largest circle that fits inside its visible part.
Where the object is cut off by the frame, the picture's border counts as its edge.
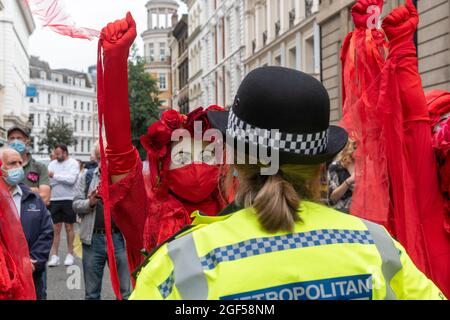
(67, 283)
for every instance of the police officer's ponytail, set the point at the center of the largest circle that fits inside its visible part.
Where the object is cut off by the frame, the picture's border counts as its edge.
(277, 198)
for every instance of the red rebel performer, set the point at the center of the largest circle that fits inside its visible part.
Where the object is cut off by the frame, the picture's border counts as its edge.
(148, 210)
(16, 275)
(385, 111)
(439, 107)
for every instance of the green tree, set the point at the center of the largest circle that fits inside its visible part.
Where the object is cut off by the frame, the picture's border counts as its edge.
(56, 132)
(143, 97)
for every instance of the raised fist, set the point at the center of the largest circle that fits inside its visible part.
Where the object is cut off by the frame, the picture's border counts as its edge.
(118, 36)
(402, 22)
(366, 13)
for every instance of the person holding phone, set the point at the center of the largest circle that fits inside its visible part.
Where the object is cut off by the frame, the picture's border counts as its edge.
(89, 206)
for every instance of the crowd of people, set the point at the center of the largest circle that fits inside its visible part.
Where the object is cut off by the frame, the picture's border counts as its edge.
(194, 225)
(63, 193)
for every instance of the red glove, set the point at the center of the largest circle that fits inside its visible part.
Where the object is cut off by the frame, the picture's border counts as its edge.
(366, 13)
(116, 40)
(400, 26)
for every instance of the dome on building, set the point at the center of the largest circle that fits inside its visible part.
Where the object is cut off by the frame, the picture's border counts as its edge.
(162, 4)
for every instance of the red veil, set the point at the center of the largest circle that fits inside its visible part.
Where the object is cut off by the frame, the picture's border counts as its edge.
(16, 277)
(169, 213)
(385, 112)
(439, 107)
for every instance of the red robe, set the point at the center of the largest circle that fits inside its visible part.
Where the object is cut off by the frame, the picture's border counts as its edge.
(16, 276)
(385, 111)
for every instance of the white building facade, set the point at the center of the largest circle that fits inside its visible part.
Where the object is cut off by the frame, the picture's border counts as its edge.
(224, 40)
(16, 26)
(156, 46)
(68, 96)
(216, 51)
(282, 33)
(197, 16)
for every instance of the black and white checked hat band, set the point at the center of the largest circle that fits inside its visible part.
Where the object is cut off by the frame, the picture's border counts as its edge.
(303, 144)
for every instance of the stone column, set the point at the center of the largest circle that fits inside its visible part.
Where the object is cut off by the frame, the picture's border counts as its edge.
(248, 34)
(283, 54)
(300, 11)
(219, 32)
(157, 18)
(150, 21)
(284, 16)
(316, 29)
(258, 24)
(269, 58)
(298, 51)
(166, 13)
(270, 20)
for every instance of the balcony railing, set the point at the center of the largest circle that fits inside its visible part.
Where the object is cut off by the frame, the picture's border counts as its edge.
(277, 28)
(149, 60)
(291, 18)
(308, 7)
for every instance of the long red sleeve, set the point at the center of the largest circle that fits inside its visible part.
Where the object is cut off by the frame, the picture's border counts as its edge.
(120, 150)
(422, 233)
(129, 204)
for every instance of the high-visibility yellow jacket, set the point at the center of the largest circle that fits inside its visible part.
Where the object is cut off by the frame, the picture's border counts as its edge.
(329, 255)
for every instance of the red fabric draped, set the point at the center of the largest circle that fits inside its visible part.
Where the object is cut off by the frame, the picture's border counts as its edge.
(385, 112)
(362, 59)
(16, 276)
(104, 187)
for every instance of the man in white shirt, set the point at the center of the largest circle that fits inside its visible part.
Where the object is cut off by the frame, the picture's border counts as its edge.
(63, 173)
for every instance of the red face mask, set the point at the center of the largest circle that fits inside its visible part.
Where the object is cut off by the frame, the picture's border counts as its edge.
(194, 182)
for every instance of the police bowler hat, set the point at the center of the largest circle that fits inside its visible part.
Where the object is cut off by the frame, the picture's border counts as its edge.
(294, 103)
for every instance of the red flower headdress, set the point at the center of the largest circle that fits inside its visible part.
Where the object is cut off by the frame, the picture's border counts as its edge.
(158, 139)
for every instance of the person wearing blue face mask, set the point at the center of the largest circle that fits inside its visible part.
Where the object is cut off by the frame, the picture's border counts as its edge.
(33, 214)
(35, 173)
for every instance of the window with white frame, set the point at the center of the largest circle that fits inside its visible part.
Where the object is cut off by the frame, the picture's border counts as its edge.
(151, 52)
(162, 81)
(162, 51)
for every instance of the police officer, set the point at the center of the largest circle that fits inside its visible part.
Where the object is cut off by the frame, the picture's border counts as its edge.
(282, 244)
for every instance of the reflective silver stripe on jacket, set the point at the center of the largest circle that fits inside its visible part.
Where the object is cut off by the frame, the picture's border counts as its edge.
(189, 277)
(390, 255)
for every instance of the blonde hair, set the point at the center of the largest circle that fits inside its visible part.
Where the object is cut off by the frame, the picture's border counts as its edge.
(345, 156)
(276, 198)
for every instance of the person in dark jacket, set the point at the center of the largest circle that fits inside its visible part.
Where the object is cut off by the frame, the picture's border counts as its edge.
(34, 216)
